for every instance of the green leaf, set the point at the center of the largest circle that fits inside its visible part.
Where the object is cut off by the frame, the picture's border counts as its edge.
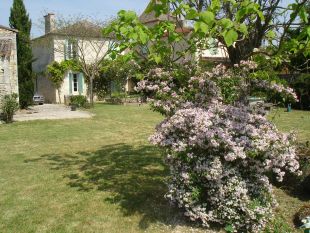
(157, 59)
(207, 17)
(143, 37)
(226, 23)
(241, 13)
(271, 35)
(191, 14)
(303, 15)
(230, 37)
(229, 228)
(243, 29)
(201, 26)
(215, 5)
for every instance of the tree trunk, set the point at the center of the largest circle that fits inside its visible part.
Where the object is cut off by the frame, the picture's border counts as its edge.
(91, 91)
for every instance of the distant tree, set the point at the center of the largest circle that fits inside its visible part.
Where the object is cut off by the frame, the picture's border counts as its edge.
(19, 19)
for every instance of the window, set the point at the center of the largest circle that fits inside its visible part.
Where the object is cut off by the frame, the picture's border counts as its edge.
(71, 49)
(75, 82)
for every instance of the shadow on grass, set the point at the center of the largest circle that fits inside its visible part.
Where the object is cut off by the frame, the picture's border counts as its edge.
(135, 176)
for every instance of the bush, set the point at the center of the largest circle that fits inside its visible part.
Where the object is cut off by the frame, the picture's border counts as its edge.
(304, 160)
(219, 150)
(78, 100)
(9, 106)
(299, 183)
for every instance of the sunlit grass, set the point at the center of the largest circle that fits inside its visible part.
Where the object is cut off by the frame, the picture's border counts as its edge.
(98, 175)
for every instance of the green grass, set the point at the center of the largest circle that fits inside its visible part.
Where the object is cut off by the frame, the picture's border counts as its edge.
(298, 121)
(96, 175)
(85, 175)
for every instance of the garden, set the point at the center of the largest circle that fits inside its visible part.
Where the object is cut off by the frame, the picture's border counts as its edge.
(102, 175)
(218, 146)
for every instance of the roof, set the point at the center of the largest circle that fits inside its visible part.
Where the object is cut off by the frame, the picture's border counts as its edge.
(82, 29)
(9, 29)
(149, 16)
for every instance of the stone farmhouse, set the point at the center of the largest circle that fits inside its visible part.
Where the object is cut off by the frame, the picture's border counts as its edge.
(58, 45)
(8, 61)
(55, 45)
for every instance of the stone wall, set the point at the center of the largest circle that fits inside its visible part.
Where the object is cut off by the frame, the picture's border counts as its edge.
(8, 65)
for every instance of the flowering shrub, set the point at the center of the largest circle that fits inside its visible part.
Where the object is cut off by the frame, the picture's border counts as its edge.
(219, 151)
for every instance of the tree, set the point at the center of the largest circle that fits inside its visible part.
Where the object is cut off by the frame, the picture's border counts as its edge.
(19, 19)
(242, 27)
(220, 150)
(300, 61)
(115, 73)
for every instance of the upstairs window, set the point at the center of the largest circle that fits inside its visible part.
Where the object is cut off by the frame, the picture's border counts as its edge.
(71, 49)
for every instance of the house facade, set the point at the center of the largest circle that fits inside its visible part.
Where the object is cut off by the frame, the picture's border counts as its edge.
(58, 45)
(8, 61)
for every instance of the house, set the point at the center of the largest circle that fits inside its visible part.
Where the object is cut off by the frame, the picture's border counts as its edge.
(65, 43)
(8, 61)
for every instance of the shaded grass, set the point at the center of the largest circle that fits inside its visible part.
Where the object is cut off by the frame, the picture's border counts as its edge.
(86, 175)
(290, 201)
(99, 174)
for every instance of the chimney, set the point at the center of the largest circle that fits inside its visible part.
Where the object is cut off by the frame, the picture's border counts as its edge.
(49, 23)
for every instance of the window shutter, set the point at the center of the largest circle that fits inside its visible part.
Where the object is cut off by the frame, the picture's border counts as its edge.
(81, 83)
(70, 83)
(66, 50)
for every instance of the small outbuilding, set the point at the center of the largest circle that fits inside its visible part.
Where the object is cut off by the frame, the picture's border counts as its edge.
(8, 61)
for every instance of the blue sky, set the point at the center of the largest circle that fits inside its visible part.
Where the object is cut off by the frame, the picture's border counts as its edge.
(99, 9)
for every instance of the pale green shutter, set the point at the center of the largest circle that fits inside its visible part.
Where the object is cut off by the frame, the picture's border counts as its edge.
(65, 49)
(81, 83)
(70, 83)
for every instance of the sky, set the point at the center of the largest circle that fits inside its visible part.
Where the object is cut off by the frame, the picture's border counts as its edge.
(98, 9)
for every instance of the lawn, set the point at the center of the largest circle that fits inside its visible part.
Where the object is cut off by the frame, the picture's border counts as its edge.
(97, 175)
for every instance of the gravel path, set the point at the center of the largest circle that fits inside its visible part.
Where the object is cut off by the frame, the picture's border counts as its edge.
(50, 111)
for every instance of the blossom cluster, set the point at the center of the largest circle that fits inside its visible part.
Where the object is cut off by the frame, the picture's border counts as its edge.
(219, 154)
(277, 88)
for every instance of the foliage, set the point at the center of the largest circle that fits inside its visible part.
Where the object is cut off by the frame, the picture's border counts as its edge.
(304, 157)
(302, 86)
(300, 60)
(78, 100)
(113, 76)
(56, 72)
(220, 152)
(240, 26)
(9, 106)
(19, 19)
